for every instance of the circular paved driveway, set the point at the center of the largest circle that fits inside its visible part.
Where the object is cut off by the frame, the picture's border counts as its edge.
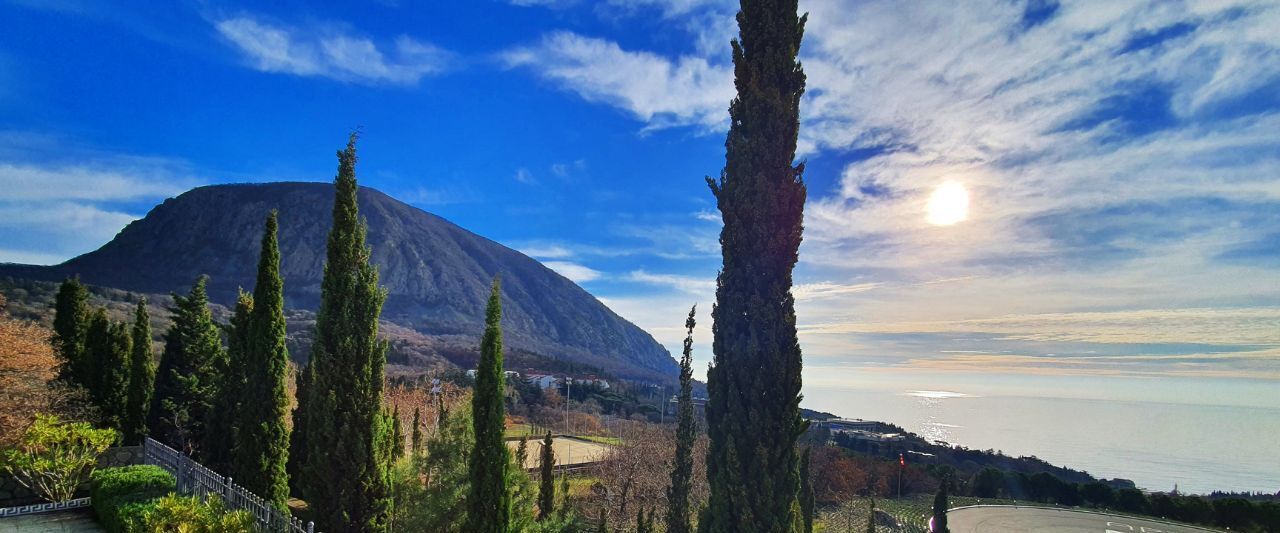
(1005, 519)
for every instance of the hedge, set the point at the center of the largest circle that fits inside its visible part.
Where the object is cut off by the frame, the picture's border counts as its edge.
(120, 495)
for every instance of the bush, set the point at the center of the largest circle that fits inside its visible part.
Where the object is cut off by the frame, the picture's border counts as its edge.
(191, 515)
(55, 457)
(121, 495)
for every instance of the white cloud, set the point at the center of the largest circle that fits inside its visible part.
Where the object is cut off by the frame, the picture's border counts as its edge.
(689, 284)
(31, 182)
(61, 199)
(523, 175)
(546, 252)
(331, 53)
(658, 91)
(575, 272)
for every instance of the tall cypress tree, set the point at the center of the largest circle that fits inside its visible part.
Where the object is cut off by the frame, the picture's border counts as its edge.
(261, 448)
(678, 507)
(70, 323)
(190, 372)
(940, 509)
(348, 477)
(547, 486)
(417, 432)
(753, 414)
(489, 503)
(97, 338)
(397, 434)
(224, 419)
(107, 346)
(142, 377)
(806, 492)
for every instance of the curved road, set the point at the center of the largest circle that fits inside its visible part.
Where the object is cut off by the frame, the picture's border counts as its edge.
(1008, 519)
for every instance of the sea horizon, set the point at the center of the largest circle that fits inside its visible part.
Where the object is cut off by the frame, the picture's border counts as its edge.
(1195, 448)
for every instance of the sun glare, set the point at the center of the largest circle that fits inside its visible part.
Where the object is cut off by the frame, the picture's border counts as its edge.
(949, 204)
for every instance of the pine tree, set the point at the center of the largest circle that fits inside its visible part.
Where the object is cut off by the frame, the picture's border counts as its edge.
(547, 487)
(261, 448)
(223, 421)
(753, 417)
(397, 434)
(142, 376)
(940, 509)
(70, 323)
(417, 432)
(107, 347)
(678, 507)
(806, 492)
(189, 375)
(348, 480)
(489, 502)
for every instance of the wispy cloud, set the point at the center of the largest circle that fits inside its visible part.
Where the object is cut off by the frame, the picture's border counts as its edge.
(62, 198)
(689, 284)
(575, 272)
(658, 91)
(332, 53)
(523, 175)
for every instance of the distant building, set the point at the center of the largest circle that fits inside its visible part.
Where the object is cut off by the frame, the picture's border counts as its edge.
(865, 436)
(543, 381)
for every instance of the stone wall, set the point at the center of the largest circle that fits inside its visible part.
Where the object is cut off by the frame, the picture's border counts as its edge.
(13, 494)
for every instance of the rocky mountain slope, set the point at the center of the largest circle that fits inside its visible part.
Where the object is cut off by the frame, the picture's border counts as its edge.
(437, 274)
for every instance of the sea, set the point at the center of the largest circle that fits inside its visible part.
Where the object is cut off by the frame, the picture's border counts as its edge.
(1160, 446)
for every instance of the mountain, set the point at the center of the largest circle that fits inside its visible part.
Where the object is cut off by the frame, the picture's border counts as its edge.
(437, 274)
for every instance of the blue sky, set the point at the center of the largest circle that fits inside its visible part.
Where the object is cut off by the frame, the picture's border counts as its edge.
(1121, 162)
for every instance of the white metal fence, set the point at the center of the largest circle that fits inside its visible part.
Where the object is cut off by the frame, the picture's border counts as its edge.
(194, 478)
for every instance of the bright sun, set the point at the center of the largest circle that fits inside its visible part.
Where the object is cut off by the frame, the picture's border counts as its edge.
(949, 204)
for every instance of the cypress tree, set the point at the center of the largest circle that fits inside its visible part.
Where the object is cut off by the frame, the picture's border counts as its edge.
(142, 376)
(70, 323)
(224, 419)
(97, 338)
(296, 466)
(348, 479)
(261, 448)
(871, 515)
(107, 346)
(417, 432)
(522, 451)
(682, 468)
(489, 503)
(547, 487)
(565, 503)
(940, 509)
(397, 434)
(753, 417)
(806, 492)
(189, 375)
